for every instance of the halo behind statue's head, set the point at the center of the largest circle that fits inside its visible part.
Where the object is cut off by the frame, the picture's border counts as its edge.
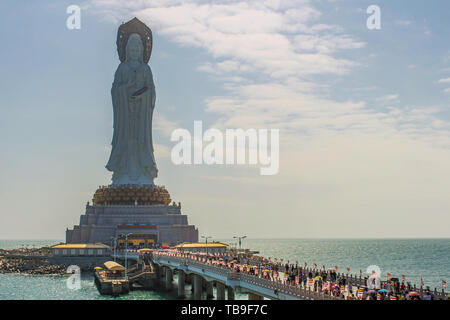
(127, 29)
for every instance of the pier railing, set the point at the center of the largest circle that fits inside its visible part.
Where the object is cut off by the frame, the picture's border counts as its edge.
(298, 291)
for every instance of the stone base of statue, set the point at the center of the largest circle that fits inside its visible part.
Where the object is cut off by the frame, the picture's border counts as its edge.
(142, 212)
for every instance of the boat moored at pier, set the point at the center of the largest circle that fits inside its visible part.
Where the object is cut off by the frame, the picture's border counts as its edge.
(112, 279)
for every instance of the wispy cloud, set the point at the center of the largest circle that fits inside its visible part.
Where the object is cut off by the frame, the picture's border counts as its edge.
(162, 124)
(403, 22)
(446, 80)
(389, 98)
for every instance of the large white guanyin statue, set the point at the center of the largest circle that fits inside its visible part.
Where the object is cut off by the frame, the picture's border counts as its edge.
(132, 158)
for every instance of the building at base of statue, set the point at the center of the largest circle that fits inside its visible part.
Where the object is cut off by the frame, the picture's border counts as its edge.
(145, 225)
(141, 213)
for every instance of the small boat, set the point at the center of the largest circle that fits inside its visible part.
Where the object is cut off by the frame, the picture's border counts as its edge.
(111, 280)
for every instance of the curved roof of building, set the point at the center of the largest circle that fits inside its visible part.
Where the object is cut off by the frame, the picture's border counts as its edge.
(80, 246)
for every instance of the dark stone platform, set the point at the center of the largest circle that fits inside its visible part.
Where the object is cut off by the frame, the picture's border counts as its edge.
(164, 223)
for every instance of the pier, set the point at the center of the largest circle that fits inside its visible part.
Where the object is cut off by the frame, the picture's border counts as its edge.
(204, 276)
(205, 273)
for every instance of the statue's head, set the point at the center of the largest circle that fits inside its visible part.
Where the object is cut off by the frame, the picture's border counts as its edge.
(134, 48)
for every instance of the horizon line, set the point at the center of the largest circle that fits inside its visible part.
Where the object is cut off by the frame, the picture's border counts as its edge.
(275, 238)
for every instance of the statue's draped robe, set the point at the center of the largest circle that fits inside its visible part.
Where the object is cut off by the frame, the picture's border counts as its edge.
(132, 158)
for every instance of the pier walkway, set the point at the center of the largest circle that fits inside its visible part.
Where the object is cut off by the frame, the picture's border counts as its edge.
(204, 275)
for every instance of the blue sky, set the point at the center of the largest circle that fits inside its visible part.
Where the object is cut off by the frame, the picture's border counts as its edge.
(363, 114)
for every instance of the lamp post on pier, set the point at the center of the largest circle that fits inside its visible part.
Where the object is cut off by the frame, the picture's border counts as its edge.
(114, 245)
(240, 240)
(206, 240)
(126, 251)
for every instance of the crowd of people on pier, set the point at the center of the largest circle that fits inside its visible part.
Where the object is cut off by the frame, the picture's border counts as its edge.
(319, 280)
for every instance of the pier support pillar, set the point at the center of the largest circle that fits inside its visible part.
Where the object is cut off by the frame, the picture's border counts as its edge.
(159, 272)
(169, 279)
(190, 280)
(181, 281)
(230, 293)
(209, 290)
(197, 287)
(254, 296)
(220, 291)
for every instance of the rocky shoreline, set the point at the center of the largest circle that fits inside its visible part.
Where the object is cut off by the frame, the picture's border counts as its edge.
(25, 266)
(28, 261)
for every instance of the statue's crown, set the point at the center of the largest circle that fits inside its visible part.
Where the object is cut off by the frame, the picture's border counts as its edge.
(124, 32)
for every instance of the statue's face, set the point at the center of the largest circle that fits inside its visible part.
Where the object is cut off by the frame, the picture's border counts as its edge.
(134, 51)
(134, 47)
